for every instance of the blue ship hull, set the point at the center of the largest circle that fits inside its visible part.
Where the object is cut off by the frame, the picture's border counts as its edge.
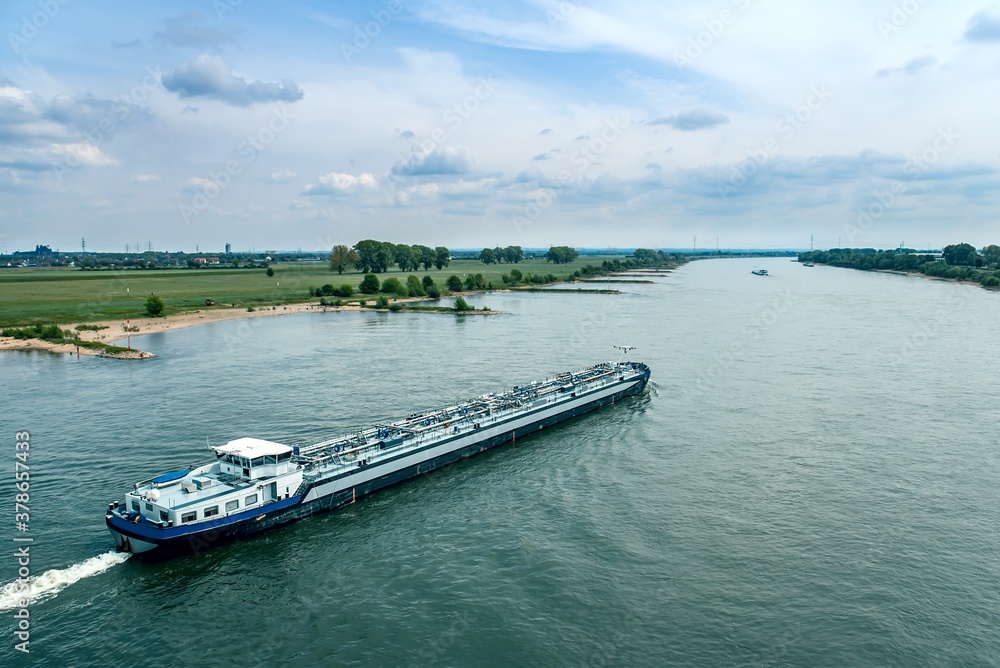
(141, 537)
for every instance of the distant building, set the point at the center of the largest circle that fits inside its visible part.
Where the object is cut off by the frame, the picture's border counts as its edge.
(212, 260)
(229, 249)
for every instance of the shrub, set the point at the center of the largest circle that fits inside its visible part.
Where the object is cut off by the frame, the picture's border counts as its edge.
(395, 307)
(454, 283)
(51, 333)
(427, 282)
(318, 292)
(462, 305)
(369, 284)
(433, 291)
(269, 272)
(394, 286)
(154, 305)
(327, 290)
(414, 287)
(322, 301)
(382, 301)
(363, 303)
(991, 282)
(250, 309)
(338, 302)
(515, 275)
(344, 290)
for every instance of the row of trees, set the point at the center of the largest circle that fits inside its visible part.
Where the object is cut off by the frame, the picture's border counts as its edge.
(376, 257)
(510, 255)
(561, 254)
(960, 261)
(965, 255)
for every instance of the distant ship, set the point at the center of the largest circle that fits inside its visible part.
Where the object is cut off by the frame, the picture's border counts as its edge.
(808, 264)
(759, 272)
(256, 484)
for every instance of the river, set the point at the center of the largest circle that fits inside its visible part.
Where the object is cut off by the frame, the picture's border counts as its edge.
(811, 479)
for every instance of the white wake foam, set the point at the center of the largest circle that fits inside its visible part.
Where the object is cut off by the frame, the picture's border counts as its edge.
(53, 581)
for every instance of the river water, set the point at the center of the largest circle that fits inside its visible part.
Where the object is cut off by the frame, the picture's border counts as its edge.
(810, 480)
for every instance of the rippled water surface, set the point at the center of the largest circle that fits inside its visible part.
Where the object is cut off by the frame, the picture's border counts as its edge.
(810, 480)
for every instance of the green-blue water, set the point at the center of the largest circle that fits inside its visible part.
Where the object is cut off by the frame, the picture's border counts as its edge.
(811, 480)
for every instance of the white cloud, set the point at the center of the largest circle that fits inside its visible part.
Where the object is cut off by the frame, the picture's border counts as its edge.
(338, 183)
(283, 176)
(146, 178)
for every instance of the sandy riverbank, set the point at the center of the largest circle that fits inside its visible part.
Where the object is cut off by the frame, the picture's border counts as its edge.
(115, 333)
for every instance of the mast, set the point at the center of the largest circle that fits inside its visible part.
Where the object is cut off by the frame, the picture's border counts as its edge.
(624, 349)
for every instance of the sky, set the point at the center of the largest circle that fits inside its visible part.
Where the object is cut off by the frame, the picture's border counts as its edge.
(737, 123)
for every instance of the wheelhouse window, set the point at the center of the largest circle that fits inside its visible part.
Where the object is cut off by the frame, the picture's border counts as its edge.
(211, 512)
(164, 516)
(250, 500)
(232, 505)
(135, 506)
(149, 507)
(188, 517)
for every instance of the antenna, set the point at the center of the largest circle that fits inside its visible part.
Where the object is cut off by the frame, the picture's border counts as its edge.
(624, 350)
(83, 244)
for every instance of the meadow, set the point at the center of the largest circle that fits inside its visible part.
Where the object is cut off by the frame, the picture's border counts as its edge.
(69, 295)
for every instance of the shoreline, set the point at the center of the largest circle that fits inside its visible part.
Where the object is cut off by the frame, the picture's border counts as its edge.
(917, 274)
(114, 331)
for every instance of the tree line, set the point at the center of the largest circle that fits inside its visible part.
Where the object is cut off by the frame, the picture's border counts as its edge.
(958, 261)
(510, 255)
(376, 257)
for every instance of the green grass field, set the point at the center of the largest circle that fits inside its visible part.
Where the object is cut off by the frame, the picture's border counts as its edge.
(65, 295)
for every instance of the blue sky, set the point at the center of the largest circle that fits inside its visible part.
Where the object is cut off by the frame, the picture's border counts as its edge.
(531, 123)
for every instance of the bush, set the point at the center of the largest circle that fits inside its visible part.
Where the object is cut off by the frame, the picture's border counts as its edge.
(454, 283)
(433, 291)
(462, 305)
(154, 306)
(427, 282)
(414, 287)
(991, 282)
(395, 307)
(322, 301)
(344, 290)
(269, 272)
(369, 284)
(338, 302)
(515, 275)
(363, 303)
(382, 301)
(327, 290)
(51, 333)
(392, 285)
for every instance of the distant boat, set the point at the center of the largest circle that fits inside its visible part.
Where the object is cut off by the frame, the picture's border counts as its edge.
(759, 272)
(808, 264)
